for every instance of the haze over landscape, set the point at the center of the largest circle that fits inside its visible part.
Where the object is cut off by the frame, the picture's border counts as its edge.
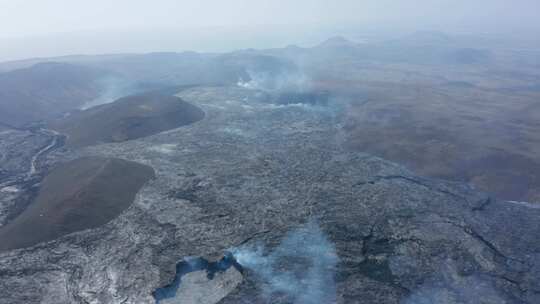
(306, 152)
(61, 27)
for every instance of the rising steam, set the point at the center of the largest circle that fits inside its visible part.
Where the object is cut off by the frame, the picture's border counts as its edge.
(271, 81)
(111, 88)
(301, 268)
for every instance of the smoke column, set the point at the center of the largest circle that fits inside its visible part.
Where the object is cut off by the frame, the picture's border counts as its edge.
(301, 268)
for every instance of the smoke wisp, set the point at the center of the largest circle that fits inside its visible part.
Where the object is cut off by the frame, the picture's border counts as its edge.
(269, 81)
(112, 88)
(301, 268)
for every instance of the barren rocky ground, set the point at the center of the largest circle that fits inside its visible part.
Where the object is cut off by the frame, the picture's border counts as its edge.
(277, 211)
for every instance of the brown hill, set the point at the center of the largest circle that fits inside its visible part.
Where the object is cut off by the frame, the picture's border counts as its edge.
(81, 194)
(45, 90)
(127, 118)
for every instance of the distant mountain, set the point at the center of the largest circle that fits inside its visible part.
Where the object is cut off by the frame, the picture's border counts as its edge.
(46, 90)
(336, 42)
(186, 68)
(418, 48)
(8, 66)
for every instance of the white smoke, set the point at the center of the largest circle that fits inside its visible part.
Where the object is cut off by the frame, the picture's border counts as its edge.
(112, 88)
(276, 82)
(302, 267)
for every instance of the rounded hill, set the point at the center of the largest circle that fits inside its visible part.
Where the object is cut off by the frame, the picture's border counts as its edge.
(81, 194)
(127, 118)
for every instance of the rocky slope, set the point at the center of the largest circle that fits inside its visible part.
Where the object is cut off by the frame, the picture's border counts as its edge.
(306, 221)
(46, 90)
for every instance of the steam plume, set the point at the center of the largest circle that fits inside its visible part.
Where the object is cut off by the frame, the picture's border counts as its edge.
(275, 82)
(301, 268)
(112, 88)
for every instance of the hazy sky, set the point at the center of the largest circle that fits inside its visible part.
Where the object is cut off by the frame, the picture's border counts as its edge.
(29, 18)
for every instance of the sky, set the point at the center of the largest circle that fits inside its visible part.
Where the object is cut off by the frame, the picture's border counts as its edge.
(71, 22)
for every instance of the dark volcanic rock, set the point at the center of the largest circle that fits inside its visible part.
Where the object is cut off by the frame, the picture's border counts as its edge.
(310, 98)
(21, 155)
(251, 175)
